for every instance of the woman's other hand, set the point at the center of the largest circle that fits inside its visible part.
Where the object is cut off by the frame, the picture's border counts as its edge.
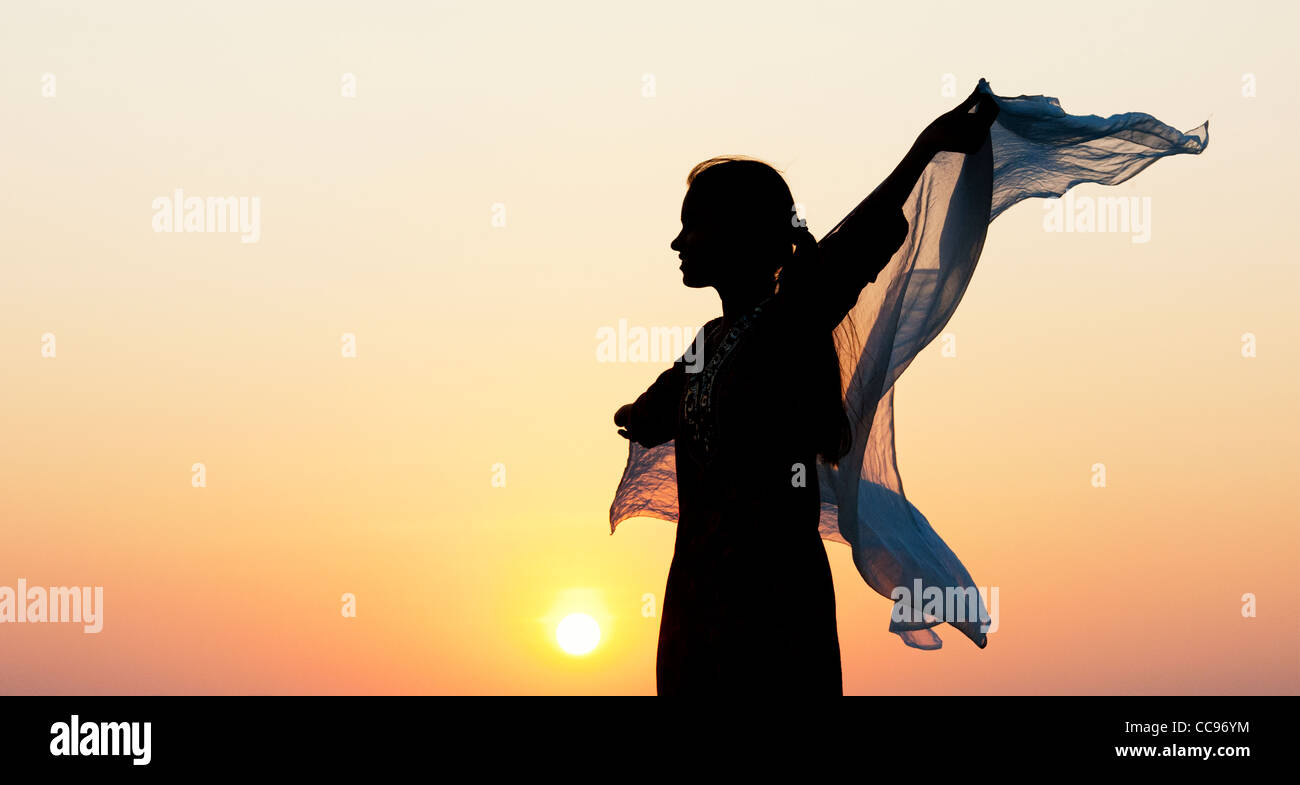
(622, 418)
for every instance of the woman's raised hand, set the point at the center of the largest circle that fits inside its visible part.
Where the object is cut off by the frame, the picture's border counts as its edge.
(962, 130)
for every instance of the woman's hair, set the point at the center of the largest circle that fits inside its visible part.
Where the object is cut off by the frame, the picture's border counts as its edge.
(750, 196)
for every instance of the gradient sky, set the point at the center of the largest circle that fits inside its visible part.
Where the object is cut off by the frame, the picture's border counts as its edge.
(476, 344)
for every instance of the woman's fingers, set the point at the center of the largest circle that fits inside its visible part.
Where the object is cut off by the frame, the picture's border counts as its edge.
(981, 102)
(971, 100)
(978, 124)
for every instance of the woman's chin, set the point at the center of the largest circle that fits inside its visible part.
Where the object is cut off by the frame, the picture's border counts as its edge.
(692, 281)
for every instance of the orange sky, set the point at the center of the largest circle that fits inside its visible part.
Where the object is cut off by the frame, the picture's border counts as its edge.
(476, 344)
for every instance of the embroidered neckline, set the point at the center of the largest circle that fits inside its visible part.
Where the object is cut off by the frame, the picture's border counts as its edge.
(697, 402)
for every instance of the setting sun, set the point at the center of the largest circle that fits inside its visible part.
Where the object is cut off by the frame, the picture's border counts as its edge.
(577, 633)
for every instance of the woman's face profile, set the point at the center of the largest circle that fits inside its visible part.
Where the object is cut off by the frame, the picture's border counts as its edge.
(699, 244)
(731, 231)
(689, 245)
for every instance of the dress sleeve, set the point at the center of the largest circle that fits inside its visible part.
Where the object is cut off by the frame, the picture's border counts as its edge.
(653, 419)
(851, 257)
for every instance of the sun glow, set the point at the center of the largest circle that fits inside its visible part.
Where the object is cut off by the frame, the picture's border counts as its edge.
(577, 634)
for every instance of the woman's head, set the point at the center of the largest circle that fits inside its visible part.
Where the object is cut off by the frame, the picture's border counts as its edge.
(738, 224)
(740, 231)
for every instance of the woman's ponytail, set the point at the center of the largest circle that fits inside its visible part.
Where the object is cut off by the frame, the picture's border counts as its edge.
(834, 436)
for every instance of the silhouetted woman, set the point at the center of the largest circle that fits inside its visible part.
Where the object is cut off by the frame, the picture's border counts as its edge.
(750, 606)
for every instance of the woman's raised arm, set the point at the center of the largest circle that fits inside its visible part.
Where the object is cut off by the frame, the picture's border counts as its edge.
(963, 129)
(858, 248)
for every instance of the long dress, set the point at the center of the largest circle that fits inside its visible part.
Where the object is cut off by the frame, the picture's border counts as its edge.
(750, 604)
